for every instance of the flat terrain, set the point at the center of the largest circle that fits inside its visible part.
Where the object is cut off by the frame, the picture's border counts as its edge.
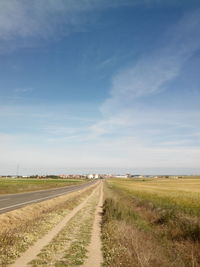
(15, 201)
(19, 185)
(183, 194)
(57, 232)
(144, 222)
(157, 222)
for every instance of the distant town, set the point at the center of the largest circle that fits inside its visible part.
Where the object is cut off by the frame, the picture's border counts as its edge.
(95, 176)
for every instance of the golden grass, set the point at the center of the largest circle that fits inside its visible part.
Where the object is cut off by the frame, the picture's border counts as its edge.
(151, 223)
(125, 245)
(182, 194)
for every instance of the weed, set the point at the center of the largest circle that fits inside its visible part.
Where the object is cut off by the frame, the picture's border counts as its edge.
(30, 223)
(145, 223)
(68, 248)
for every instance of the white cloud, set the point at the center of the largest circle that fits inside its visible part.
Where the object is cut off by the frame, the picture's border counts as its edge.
(36, 18)
(22, 19)
(114, 154)
(151, 127)
(45, 140)
(24, 90)
(152, 73)
(163, 136)
(127, 136)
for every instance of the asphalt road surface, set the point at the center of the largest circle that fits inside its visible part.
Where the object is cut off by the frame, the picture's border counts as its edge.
(16, 201)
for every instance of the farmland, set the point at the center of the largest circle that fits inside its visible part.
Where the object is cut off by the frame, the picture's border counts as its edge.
(12, 186)
(145, 222)
(151, 222)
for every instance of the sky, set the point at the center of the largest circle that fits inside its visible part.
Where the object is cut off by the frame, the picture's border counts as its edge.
(108, 86)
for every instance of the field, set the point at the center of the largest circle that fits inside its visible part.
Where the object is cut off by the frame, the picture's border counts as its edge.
(11, 186)
(151, 222)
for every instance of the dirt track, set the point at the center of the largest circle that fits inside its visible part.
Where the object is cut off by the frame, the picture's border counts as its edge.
(95, 257)
(89, 209)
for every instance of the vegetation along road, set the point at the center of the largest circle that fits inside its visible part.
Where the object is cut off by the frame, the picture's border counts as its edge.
(116, 222)
(59, 232)
(15, 201)
(151, 222)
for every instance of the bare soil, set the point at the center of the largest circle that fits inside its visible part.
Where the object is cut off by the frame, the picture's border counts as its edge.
(95, 257)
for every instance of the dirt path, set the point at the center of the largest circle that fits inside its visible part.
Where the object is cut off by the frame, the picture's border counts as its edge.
(33, 251)
(95, 257)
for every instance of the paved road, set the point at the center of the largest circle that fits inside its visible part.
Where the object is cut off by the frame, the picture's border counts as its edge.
(16, 201)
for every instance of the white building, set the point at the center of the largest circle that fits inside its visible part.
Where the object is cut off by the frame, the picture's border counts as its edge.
(90, 176)
(120, 176)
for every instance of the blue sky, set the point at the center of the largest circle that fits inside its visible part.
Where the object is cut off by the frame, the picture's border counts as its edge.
(103, 86)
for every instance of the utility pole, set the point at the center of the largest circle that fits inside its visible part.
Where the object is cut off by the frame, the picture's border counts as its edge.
(17, 170)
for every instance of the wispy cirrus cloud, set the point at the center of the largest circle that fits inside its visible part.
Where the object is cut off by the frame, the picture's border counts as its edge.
(151, 73)
(159, 130)
(124, 153)
(23, 90)
(22, 19)
(129, 134)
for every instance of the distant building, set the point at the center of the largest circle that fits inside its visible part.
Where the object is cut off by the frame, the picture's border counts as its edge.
(121, 176)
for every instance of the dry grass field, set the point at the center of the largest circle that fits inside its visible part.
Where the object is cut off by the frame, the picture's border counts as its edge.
(151, 222)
